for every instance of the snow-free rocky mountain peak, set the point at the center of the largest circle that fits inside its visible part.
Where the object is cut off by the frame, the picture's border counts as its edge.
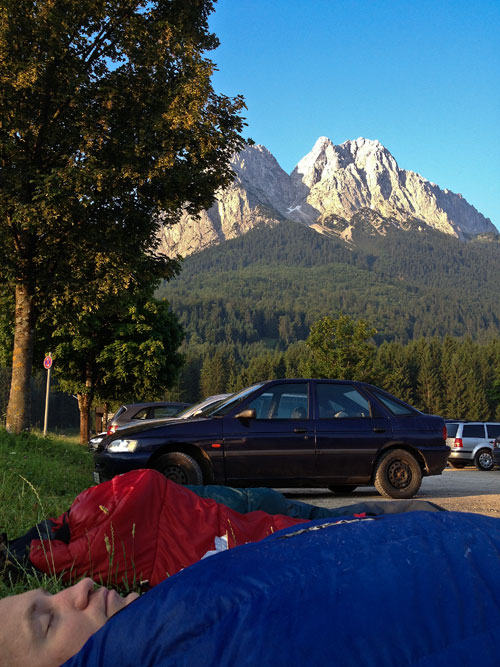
(327, 190)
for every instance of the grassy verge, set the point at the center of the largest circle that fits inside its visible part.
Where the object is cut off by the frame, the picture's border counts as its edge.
(39, 478)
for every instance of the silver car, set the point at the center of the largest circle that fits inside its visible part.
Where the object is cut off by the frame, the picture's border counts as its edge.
(471, 443)
(196, 410)
(142, 411)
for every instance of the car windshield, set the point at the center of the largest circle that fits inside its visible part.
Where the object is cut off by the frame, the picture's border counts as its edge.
(234, 400)
(201, 409)
(208, 409)
(187, 412)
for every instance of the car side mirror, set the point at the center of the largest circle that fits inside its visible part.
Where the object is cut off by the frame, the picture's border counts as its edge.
(247, 414)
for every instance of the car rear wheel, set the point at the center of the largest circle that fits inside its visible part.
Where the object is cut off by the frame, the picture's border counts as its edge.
(342, 489)
(457, 464)
(484, 460)
(398, 475)
(180, 468)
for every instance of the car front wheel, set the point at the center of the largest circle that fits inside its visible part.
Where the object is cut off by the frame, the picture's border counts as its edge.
(180, 468)
(398, 475)
(484, 460)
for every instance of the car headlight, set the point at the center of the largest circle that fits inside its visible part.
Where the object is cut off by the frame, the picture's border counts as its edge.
(122, 445)
(94, 443)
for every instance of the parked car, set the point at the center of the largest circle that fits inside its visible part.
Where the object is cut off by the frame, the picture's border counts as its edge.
(471, 443)
(143, 411)
(196, 410)
(290, 433)
(496, 451)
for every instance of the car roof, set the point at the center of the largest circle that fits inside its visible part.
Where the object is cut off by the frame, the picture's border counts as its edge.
(152, 404)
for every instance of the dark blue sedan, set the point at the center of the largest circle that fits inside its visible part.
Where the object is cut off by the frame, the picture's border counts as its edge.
(290, 433)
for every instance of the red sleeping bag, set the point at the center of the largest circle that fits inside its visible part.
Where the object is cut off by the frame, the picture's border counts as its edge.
(141, 526)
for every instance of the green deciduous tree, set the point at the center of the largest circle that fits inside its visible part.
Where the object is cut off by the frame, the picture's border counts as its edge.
(128, 351)
(107, 119)
(341, 348)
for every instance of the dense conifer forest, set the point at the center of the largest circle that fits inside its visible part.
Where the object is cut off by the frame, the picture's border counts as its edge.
(273, 283)
(247, 307)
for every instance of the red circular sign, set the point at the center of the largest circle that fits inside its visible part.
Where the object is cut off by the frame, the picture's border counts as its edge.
(47, 362)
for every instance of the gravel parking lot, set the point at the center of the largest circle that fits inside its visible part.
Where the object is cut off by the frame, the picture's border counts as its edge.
(466, 490)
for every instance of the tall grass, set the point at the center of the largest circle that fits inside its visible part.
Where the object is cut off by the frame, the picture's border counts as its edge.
(39, 478)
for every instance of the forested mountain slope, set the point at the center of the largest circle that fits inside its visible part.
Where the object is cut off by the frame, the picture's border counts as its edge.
(272, 283)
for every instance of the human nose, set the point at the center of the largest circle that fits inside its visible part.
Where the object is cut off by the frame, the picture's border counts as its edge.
(77, 595)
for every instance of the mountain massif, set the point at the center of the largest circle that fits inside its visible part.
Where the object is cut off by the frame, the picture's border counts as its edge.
(347, 232)
(332, 190)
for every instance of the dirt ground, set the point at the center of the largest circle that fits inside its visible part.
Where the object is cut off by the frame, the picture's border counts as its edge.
(466, 490)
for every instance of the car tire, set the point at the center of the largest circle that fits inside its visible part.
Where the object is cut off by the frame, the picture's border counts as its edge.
(398, 475)
(457, 464)
(484, 460)
(342, 489)
(180, 468)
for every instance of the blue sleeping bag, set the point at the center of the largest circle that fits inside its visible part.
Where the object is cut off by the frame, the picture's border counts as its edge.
(419, 588)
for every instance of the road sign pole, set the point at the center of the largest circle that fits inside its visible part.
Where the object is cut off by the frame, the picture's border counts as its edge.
(47, 364)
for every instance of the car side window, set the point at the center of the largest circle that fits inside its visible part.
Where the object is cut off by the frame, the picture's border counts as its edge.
(284, 401)
(165, 411)
(451, 430)
(142, 414)
(396, 407)
(337, 401)
(493, 430)
(473, 431)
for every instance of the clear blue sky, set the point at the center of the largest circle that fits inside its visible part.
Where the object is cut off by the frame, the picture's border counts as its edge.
(421, 76)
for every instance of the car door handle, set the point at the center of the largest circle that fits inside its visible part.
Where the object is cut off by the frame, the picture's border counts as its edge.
(300, 430)
(379, 429)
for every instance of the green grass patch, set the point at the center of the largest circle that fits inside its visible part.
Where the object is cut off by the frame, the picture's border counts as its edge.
(39, 478)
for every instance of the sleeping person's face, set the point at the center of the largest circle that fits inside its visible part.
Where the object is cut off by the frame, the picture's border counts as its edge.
(44, 630)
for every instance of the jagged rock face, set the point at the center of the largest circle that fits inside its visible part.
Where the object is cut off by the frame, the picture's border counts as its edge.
(260, 175)
(235, 212)
(258, 193)
(329, 183)
(363, 174)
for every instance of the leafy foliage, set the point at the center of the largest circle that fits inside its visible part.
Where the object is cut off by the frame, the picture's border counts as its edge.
(126, 351)
(341, 348)
(108, 119)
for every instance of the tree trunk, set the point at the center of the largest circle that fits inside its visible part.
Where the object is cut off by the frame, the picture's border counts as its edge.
(22, 361)
(84, 405)
(105, 416)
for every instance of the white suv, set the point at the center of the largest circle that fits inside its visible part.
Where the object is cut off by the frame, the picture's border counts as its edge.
(472, 443)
